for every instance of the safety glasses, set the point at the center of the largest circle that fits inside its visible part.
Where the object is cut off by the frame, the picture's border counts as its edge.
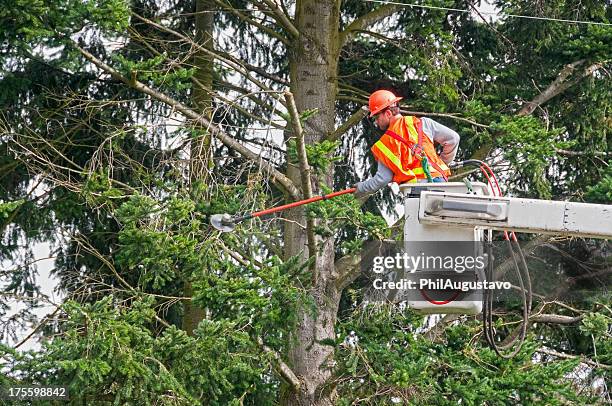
(373, 119)
(375, 116)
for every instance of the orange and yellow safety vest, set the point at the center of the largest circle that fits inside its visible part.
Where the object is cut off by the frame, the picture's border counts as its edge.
(401, 147)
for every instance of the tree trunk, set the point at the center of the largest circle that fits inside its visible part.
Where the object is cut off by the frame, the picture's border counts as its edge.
(200, 159)
(313, 71)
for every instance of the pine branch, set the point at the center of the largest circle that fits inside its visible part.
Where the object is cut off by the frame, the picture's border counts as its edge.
(435, 332)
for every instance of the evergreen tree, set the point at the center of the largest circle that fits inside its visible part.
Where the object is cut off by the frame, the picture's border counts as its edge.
(126, 125)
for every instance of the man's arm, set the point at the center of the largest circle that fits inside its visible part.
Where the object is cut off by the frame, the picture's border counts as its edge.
(444, 136)
(382, 177)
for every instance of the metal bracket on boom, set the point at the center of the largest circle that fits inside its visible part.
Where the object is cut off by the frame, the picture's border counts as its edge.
(467, 208)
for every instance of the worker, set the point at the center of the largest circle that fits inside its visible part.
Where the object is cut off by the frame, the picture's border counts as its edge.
(406, 151)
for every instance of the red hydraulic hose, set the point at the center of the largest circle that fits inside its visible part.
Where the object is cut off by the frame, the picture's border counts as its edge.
(486, 170)
(484, 165)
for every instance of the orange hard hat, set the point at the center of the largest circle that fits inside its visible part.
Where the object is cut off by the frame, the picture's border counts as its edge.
(380, 100)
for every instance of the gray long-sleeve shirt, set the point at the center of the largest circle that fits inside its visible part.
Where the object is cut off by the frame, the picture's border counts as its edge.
(438, 133)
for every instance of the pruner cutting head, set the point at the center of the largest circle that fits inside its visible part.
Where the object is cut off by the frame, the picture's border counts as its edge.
(223, 222)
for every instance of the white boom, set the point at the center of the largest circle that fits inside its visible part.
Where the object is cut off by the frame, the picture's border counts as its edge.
(511, 213)
(455, 212)
(440, 204)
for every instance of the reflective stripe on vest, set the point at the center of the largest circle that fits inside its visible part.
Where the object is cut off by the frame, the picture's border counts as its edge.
(393, 158)
(417, 170)
(414, 134)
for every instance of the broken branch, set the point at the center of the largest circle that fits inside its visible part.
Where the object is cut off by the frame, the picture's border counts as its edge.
(298, 131)
(284, 369)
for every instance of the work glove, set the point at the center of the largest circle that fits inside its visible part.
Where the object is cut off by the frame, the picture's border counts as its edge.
(454, 165)
(359, 194)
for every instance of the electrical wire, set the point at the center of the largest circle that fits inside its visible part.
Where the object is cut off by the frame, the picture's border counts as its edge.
(460, 10)
(522, 271)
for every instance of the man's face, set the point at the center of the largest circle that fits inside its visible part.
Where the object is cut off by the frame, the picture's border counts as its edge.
(383, 119)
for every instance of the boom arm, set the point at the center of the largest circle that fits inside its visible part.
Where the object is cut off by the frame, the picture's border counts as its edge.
(517, 214)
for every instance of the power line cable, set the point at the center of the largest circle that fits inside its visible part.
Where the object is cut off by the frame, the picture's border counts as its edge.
(460, 10)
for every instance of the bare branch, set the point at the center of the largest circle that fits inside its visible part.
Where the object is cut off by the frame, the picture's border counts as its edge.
(284, 369)
(301, 147)
(260, 71)
(555, 319)
(280, 179)
(394, 41)
(283, 19)
(353, 120)
(222, 56)
(475, 9)
(304, 168)
(366, 20)
(353, 89)
(568, 356)
(251, 21)
(581, 153)
(451, 116)
(235, 105)
(347, 269)
(358, 100)
(38, 327)
(559, 85)
(234, 63)
(508, 264)
(251, 96)
(590, 275)
(445, 115)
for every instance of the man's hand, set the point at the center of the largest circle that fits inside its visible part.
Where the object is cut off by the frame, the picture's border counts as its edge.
(359, 194)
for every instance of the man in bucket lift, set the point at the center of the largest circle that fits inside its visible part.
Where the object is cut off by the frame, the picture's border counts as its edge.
(406, 151)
